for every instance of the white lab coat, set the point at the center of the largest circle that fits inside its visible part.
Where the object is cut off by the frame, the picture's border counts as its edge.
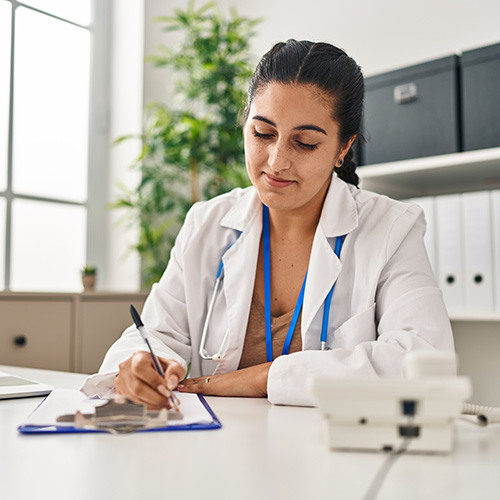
(385, 303)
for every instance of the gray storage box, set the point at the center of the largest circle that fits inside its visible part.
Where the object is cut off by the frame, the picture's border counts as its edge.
(481, 98)
(412, 112)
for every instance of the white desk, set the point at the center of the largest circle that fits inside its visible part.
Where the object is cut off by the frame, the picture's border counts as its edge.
(262, 452)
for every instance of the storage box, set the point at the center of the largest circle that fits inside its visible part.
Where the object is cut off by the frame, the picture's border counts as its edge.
(412, 112)
(481, 98)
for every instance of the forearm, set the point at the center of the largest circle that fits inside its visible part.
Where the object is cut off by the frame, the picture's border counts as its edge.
(249, 382)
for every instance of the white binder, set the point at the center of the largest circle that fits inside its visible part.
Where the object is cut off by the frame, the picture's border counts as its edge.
(495, 225)
(449, 252)
(477, 245)
(427, 204)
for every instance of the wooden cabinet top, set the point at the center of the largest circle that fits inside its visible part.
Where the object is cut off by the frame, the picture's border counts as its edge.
(84, 297)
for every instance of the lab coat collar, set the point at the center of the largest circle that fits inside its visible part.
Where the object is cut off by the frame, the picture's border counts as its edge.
(243, 211)
(338, 217)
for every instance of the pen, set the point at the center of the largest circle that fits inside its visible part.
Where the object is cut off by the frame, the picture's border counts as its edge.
(140, 326)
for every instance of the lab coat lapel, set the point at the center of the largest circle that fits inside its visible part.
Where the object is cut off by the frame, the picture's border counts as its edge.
(338, 217)
(324, 268)
(240, 262)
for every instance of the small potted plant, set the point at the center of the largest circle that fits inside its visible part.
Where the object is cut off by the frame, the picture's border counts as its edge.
(88, 278)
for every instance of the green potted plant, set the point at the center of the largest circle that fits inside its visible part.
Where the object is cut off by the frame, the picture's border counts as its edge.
(193, 150)
(89, 274)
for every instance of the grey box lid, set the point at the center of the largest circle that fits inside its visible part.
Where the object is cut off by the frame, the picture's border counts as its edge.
(418, 70)
(482, 54)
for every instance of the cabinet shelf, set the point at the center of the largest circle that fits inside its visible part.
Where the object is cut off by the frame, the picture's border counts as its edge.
(475, 317)
(444, 174)
(433, 176)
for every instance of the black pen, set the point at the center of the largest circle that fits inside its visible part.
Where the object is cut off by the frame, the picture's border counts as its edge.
(140, 326)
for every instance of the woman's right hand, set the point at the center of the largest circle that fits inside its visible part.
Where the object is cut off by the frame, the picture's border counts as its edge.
(139, 380)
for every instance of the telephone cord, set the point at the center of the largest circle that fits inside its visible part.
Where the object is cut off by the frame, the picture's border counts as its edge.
(485, 414)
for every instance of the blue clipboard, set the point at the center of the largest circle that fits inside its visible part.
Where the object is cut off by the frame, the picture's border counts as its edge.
(36, 429)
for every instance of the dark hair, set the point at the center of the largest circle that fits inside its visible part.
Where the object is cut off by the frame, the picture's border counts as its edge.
(329, 68)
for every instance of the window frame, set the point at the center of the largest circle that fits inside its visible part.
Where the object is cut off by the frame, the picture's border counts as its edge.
(98, 138)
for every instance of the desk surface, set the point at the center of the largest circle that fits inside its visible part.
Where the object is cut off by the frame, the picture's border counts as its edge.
(262, 452)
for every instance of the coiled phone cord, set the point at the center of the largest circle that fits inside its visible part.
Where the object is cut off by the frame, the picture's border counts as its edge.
(485, 414)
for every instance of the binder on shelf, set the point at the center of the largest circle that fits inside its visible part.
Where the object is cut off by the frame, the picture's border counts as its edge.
(495, 225)
(427, 205)
(477, 252)
(449, 252)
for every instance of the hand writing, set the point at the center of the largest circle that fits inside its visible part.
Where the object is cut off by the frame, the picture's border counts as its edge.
(139, 381)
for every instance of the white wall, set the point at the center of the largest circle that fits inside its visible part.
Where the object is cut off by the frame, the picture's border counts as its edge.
(478, 345)
(379, 34)
(127, 48)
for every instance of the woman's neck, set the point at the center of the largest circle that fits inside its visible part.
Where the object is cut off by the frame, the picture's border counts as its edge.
(300, 223)
(295, 225)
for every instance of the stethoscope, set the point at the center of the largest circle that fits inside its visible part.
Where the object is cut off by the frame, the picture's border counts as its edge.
(267, 301)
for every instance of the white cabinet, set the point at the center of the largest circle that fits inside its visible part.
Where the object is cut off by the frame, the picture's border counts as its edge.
(68, 332)
(477, 336)
(100, 320)
(36, 331)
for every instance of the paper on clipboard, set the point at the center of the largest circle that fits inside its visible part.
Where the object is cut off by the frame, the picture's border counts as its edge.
(196, 414)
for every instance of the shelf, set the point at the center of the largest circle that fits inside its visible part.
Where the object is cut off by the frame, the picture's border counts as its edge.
(433, 176)
(475, 317)
(444, 174)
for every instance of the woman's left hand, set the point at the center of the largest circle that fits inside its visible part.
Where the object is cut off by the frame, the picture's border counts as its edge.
(249, 382)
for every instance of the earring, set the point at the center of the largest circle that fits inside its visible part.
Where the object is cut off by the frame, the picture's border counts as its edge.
(341, 162)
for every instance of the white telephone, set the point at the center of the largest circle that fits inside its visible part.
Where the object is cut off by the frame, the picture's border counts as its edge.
(379, 414)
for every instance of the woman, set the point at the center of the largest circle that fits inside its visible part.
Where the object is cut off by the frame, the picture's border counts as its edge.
(303, 225)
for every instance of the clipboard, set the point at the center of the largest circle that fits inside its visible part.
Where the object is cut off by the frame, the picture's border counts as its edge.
(32, 426)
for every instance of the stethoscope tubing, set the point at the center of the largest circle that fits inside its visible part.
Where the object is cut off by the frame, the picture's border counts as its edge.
(217, 287)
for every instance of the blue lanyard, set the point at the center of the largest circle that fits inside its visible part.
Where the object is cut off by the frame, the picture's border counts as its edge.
(298, 306)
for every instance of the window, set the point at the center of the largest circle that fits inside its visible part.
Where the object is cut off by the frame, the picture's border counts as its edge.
(50, 63)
